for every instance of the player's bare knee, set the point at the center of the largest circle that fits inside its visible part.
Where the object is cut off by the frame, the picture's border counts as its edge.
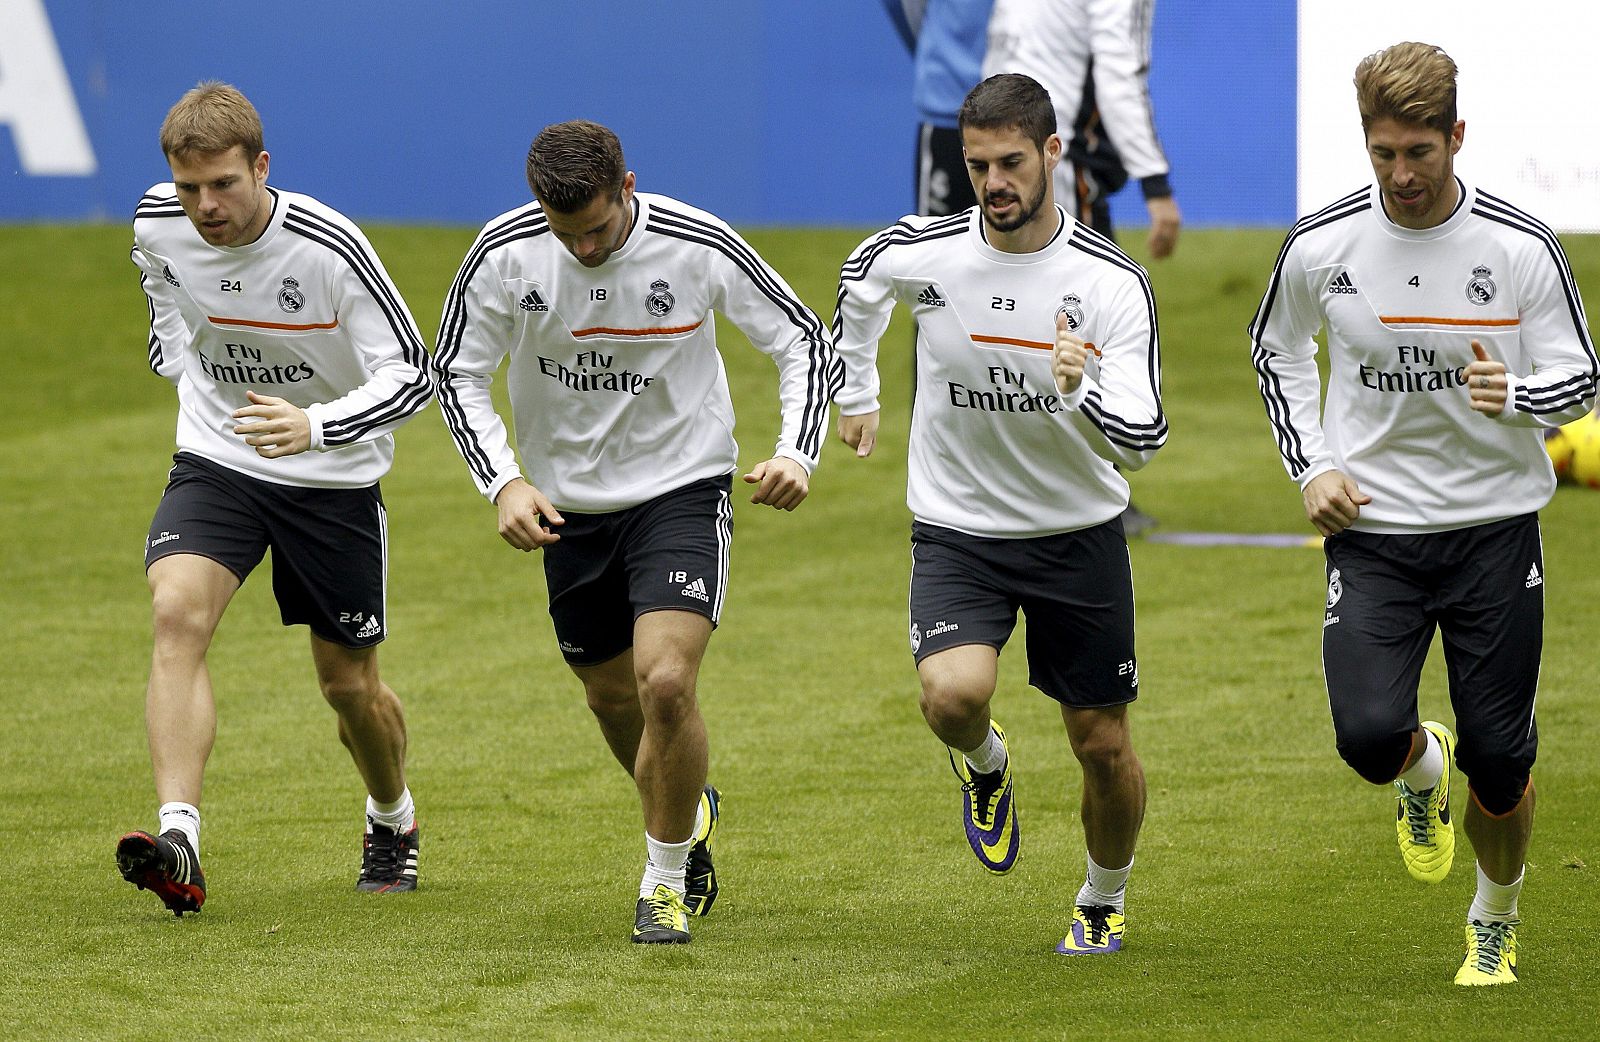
(351, 691)
(608, 699)
(950, 705)
(180, 621)
(666, 692)
(1103, 750)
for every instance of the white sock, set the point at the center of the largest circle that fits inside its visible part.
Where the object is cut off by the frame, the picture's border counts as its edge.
(1429, 768)
(988, 757)
(699, 820)
(664, 865)
(399, 815)
(185, 817)
(1104, 886)
(1495, 902)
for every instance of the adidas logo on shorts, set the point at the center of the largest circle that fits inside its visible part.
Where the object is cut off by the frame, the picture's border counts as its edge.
(1534, 578)
(371, 628)
(697, 590)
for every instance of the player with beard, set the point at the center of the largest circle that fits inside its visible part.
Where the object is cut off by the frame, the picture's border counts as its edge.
(1039, 375)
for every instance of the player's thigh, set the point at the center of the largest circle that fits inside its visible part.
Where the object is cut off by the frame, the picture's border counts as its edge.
(1076, 590)
(188, 595)
(1377, 625)
(966, 674)
(668, 646)
(330, 552)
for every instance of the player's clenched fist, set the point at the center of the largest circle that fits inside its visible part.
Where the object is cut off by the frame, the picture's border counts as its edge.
(1068, 357)
(526, 517)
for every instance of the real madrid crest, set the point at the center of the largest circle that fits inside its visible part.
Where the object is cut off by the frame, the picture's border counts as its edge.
(290, 298)
(1071, 307)
(659, 302)
(1480, 288)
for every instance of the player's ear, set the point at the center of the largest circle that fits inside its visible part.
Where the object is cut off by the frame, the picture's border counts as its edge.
(263, 161)
(1052, 151)
(1458, 134)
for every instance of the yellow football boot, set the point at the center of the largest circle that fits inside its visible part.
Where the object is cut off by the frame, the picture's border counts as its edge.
(1491, 955)
(1422, 818)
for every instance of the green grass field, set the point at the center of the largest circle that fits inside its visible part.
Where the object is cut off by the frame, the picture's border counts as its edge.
(1267, 901)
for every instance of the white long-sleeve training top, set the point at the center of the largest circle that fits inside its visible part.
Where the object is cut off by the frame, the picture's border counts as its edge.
(995, 449)
(306, 313)
(1401, 308)
(617, 389)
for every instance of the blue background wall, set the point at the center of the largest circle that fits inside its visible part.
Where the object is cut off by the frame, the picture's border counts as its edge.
(768, 112)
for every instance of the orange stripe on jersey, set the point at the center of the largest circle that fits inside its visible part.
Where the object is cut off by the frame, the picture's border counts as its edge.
(980, 339)
(272, 325)
(661, 331)
(1425, 320)
(1037, 345)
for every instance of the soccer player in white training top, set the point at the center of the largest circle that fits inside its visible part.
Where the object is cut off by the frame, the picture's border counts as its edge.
(1455, 336)
(603, 298)
(1039, 374)
(295, 359)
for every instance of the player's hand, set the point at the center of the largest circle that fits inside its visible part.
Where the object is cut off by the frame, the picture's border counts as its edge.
(782, 483)
(1068, 357)
(273, 426)
(1486, 383)
(860, 432)
(1164, 224)
(525, 516)
(1333, 502)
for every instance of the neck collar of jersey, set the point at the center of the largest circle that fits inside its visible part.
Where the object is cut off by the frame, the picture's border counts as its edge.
(980, 240)
(1438, 231)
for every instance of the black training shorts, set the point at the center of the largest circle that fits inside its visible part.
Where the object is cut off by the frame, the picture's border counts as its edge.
(1074, 588)
(1483, 589)
(329, 545)
(608, 569)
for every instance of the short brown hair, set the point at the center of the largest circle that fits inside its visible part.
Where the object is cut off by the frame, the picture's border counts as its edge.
(571, 163)
(1410, 82)
(1010, 100)
(211, 118)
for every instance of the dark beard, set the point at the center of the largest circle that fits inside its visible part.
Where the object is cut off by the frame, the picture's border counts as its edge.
(1024, 214)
